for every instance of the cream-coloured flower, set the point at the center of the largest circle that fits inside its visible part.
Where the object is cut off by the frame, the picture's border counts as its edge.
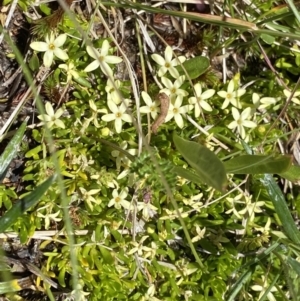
(231, 95)
(167, 64)
(88, 198)
(176, 110)
(264, 102)
(199, 101)
(251, 208)
(70, 70)
(200, 234)
(294, 99)
(151, 107)
(262, 287)
(102, 59)
(120, 157)
(112, 92)
(51, 118)
(51, 47)
(241, 121)
(173, 89)
(148, 210)
(119, 199)
(118, 115)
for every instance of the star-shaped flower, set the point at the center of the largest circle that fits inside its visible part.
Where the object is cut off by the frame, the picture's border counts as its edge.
(262, 103)
(119, 199)
(167, 64)
(199, 100)
(173, 89)
(151, 107)
(241, 121)
(118, 115)
(112, 93)
(102, 59)
(70, 70)
(51, 47)
(51, 118)
(176, 110)
(294, 99)
(231, 96)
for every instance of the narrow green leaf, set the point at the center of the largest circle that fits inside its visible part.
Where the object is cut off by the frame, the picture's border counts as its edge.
(239, 284)
(195, 66)
(255, 164)
(12, 148)
(23, 205)
(281, 208)
(206, 164)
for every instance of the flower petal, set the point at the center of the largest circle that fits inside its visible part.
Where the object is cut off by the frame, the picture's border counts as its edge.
(39, 46)
(168, 54)
(60, 40)
(93, 52)
(208, 94)
(158, 59)
(168, 84)
(59, 123)
(126, 118)
(48, 58)
(108, 117)
(61, 54)
(179, 120)
(249, 124)
(118, 125)
(235, 113)
(112, 59)
(92, 66)
(205, 106)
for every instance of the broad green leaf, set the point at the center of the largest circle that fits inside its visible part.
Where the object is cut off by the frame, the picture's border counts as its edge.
(11, 149)
(255, 164)
(187, 174)
(10, 217)
(292, 174)
(281, 208)
(205, 163)
(195, 66)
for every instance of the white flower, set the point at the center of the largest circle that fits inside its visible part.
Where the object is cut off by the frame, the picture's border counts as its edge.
(251, 208)
(294, 99)
(262, 287)
(120, 157)
(52, 118)
(167, 64)
(200, 234)
(231, 96)
(51, 47)
(48, 217)
(262, 103)
(199, 100)
(88, 196)
(148, 210)
(102, 59)
(175, 110)
(95, 112)
(112, 93)
(151, 107)
(173, 89)
(118, 114)
(241, 121)
(70, 69)
(119, 200)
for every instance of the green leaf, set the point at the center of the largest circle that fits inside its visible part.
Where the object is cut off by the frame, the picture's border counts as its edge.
(255, 164)
(106, 255)
(281, 208)
(23, 205)
(292, 273)
(236, 288)
(292, 174)
(206, 164)
(11, 149)
(34, 63)
(187, 174)
(195, 66)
